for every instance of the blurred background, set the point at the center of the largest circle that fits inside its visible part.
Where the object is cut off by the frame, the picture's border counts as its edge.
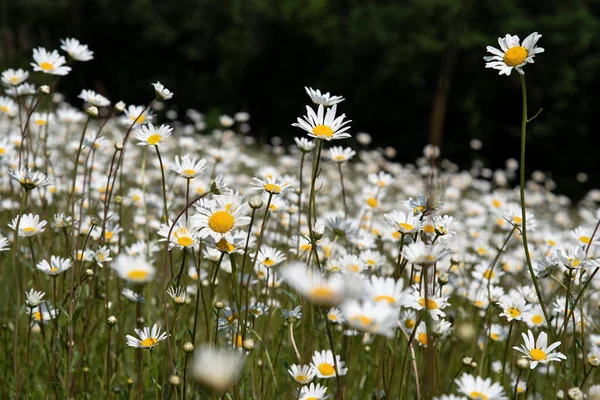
(412, 71)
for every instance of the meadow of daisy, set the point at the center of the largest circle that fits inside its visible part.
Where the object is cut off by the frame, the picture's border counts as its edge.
(148, 256)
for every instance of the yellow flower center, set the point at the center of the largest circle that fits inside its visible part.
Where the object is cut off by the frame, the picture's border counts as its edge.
(4, 108)
(479, 303)
(149, 342)
(431, 305)
(41, 122)
(46, 66)
(268, 262)
(537, 319)
(29, 229)
(53, 269)
(311, 398)
(409, 323)
(271, 188)
(137, 275)
(221, 221)
(515, 56)
(551, 242)
(384, 297)
(154, 139)
(513, 312)
(108, 235)
(139, 120)
(364, 320)
(326, 369)
(352, 268)
(14, 79)
(496, 203)
(423, 338)
(323, 131)
(517, 220)
(537, 354)
(372, 202)
(396, 235)
(224, 245)
(321, 292)
(585, 239)
(185, 241)
(494, 336)
(430, 229)
(489, 274)
(37, 315)
(301, 378)
(188, 173)
(339, 158)
(478, 396)
(406, 227)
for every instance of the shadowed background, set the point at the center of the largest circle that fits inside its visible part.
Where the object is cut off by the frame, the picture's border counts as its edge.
(412, 71)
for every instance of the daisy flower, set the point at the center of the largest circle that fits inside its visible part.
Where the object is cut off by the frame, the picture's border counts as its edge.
(219, 217)
(77, 51)
(12, 77)
(513, 307)
(403, 223)
(327, 126)
(95, 99)
(477, 388)
(136, 115)
(182, 236)
(515, 217)
(324, 367)
(29, 225)
(187, 167)
(178, 295)
(424, 254)
(149, 135)
(30, 179)
(539, 351)
(24, 89)
(335, 315)
(339, 154)
(271, 185)
(270, 256)
(317, 288)
(304, 144)
(132, 296)
(102, 255)
(42, 313)
(324, 99)
(49, 62)
(582, 236)
(573, 258)
(34, 298)
(133, 269)
(8, 106)
(378, 318)
(302, 374)
(435, 304)
(162, 91)
(217, 368)
(512, 54)
(148, 338)
(56, 266)
(313, 392)
(3, 243)
(386, 290)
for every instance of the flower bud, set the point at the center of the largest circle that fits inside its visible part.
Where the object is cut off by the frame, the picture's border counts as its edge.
(175, 380)
(443, 278)
(318, 231)
(89, 272)
(92, 111)
(111, 321)
(523, 363)
(575, 393)
(118, 146)
(188, 347)
(118, 199)
(45, 89)
(255, 202)
(119, 107)
(248, 344)
(219, 305)
(466, 361)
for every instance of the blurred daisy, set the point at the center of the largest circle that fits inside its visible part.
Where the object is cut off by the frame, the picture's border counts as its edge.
(386, 290)
(477, 388)
(317, 288)
(132, 296)
(512, 54)
(133, 269)
(76, 50)
(378, 318)
(49, 62)
(8, 106)
(178, 295)
(339, 154)
(216, 368)
(30, 179)
(102, 255)
(42, 313)
(29, 225)
(313, 392)
(304, 144)
(136, 115)
(95, 99)
(271, 185)
(321, 126)
(513, 307)
(34, 298)
(148, 338)
(324, 367)
(572, 258)
(187, 167)
(149, 135)
(325, 99)
(539, 351)
(162, 91)
(3, 243)
(56, 266)
(424, 254)
(403, 223)
(302, 374)
(14, 77)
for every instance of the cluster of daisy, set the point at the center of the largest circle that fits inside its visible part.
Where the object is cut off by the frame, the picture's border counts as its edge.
(350, 273)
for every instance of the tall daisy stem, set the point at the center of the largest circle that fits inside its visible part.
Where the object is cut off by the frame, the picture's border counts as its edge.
(523, 210)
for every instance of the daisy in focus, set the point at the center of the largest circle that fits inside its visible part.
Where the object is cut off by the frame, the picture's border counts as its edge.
(149, 135)
(148, 338)
(512, 54)
(538, 351)
(49, 62)
(321, 125)
(324, 366)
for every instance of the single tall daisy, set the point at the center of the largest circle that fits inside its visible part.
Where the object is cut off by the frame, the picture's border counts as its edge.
(321, 126)
(148, 338)
(513, 54)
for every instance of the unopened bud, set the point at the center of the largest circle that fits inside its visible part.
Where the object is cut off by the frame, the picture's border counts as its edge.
(94, 221)
(118, 146)
(111, 321)
(466, 361)
(129, 381)
(594, 361)
(118, 199)
(248, 344)
(443, 278)
(175, 380)
(523, 363)
(219, 305)
(92, 111)
(119, 107)
(465, 332)
(318, 231)
(188, 347)
(45, 89)
(89, 272)
(575, 393)
(86, 369)
(255, 202)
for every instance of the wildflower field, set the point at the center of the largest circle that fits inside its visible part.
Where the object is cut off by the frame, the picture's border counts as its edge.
(148, 255)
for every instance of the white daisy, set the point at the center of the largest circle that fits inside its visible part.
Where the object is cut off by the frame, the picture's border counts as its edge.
(134, 269)
(219, 217)
(29, 225)
(149, 135)
(148, 338)
(513, 54)
(95, 99)
(319, 98)
(477, 388)
(539, 351)
(324, 367)
(187, 167)
(162, 91)
(302, 374)
(49, 62)
(12, 77)
(327, 126)
(76, 50)
(56, 266)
